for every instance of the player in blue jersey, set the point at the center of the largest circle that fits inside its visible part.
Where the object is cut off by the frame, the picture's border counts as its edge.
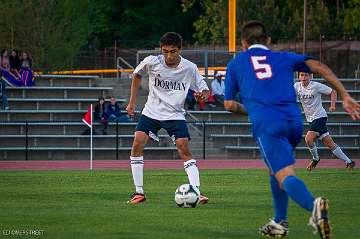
(264, 79)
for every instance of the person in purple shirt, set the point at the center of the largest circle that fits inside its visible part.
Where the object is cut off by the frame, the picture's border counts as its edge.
(264, 80)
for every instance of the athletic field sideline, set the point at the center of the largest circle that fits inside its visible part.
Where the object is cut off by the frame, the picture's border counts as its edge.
(153, 164)
(84, 204)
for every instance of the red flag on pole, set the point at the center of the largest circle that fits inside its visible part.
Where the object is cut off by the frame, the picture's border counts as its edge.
(87, 119)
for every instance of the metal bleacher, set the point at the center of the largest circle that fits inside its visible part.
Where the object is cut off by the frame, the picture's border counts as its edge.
(235, 139)
(44, 122)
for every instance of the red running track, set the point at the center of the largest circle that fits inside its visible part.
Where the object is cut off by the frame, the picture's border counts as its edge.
(152, 164)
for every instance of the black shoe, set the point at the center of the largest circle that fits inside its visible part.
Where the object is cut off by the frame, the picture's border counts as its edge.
(312, 164)
(350, 165)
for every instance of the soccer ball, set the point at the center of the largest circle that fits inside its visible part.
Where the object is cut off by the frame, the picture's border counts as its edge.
(187, 195)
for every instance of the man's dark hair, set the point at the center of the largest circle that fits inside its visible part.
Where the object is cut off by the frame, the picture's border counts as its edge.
(254, 32)
(171, 39)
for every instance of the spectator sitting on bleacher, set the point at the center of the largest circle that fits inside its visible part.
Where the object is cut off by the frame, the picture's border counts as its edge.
(4, 59)
(191, 101)
(100, 115)
(113, 112)
(218, 88)
(25, 60)
(15, 63)
(23, 77)
(26, 69)
(3, 93)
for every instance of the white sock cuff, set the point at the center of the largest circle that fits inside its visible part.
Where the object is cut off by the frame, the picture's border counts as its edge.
(189, 163)
(137, 160)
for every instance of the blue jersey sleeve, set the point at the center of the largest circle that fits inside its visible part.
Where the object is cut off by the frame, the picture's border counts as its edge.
(231, 86)
(298, 62)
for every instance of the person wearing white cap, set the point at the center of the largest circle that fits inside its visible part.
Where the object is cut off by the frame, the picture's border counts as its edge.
(218, 88)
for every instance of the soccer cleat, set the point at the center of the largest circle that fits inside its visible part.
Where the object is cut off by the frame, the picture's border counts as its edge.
(350, 165)
(203, 199)
(136, 198)
(273, 229)
(319, 219)
(312, 164)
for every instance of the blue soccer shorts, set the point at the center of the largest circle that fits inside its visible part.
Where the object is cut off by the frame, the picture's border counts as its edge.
(175, 128)
(277, 143)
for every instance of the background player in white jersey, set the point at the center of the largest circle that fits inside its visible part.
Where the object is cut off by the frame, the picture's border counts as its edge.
(309, 93)
(170, 77)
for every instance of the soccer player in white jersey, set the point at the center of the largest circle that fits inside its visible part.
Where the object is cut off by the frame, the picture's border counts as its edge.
(309, 93)
(170, 77)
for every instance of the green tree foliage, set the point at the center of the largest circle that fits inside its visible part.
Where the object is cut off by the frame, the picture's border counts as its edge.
(352, 18)
(141, 23)
(210, 27)
(284, 19)
(53, 31)
(318, 23)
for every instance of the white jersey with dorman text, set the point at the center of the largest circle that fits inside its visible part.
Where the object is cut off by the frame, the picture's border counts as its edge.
(168, 86)
(310, 98)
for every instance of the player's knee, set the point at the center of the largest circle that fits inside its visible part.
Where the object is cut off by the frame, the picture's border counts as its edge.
(309, 139)
(284, 173)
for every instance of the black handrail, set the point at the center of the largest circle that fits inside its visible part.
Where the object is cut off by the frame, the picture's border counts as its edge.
(26, 140)
(204, 139)
(117, 141)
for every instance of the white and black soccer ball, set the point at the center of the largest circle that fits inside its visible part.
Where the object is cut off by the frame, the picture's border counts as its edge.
(187, 195)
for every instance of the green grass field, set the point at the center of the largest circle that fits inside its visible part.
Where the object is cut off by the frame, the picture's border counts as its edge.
(80, 204)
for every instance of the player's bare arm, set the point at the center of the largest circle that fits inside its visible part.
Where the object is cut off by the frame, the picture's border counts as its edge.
(135, 84)
(349, 104)
(235, 107)
(333, 96)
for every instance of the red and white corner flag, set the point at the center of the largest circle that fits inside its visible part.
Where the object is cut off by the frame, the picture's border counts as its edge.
(88, 120)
